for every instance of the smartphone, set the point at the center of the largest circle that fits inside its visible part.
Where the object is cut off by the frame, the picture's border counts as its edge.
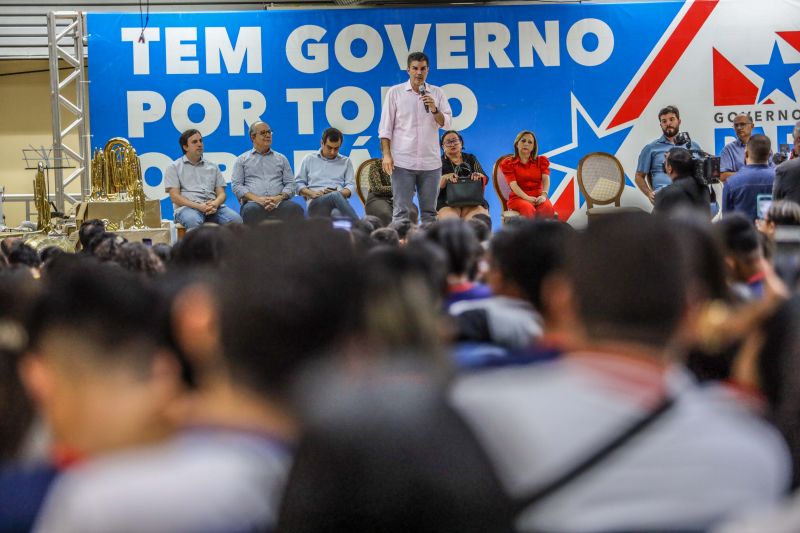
(342, 223)
(763, 201)
(787, 254)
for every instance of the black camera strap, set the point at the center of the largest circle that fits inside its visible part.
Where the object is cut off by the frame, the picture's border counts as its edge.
(601, 454)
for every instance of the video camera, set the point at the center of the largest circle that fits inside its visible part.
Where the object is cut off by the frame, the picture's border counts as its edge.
(706, 166)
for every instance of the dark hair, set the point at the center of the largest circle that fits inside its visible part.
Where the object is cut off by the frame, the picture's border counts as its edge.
(50, 253)
(139, 258)
(20, 253)
(482, 231)
(402, 227)
(459, 243)
(612, 266)
(680, 159)
(118, 313)
(784, 213)
(386, 237)
(417, 56)
(448, 132)
(669, 109)
(759, 147)
(486, 219)
(202, 247)
(738, 234)
(88, 230)
(163, 251)
(105, 246)
(184, 138)
(275, 290)
(529, 252)
(331, 134)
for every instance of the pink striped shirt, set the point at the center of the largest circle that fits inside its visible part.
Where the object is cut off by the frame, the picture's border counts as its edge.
(414, 133)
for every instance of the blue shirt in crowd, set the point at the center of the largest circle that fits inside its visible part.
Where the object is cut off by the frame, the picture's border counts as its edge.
(731, 159)
(742, 189)
(651, 161)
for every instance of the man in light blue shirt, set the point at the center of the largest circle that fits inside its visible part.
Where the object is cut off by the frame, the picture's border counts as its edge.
(326, 179)
(731, 159)
(196, 186)
(262, 180)
(651, 159)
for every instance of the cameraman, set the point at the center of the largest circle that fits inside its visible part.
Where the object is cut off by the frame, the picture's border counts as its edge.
(686, 191)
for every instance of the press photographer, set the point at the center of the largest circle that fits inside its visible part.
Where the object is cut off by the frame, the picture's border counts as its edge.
(687, 190)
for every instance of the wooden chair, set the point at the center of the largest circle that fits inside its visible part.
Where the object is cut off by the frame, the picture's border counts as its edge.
(602, 181)
(502, 189)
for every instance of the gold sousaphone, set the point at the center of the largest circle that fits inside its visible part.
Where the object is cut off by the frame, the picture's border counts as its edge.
(117, 175)
(44, 236)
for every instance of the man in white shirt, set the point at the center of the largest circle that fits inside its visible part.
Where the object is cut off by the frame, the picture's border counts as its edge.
(411, 117)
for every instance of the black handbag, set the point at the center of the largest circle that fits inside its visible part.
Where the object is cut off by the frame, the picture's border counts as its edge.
(465, 192)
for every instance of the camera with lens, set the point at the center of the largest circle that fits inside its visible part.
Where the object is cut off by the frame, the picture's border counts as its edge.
(706, 166)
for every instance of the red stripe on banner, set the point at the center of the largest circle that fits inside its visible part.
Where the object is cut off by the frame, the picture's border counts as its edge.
(791, 37)
(664, 62)
(565, 204)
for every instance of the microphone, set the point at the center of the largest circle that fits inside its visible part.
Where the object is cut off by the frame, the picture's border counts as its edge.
(423, 92)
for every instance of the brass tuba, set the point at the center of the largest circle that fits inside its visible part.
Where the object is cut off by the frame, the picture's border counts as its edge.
(41, 198)
(121, 169)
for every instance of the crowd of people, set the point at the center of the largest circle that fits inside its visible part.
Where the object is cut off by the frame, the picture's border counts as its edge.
(296, 375)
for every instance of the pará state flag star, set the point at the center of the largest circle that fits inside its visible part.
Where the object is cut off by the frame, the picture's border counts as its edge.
(776, 74)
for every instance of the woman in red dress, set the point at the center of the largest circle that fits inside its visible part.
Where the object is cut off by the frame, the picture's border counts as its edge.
(528, 176)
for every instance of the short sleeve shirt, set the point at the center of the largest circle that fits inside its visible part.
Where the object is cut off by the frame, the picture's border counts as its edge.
(197, 183)
(651, 161)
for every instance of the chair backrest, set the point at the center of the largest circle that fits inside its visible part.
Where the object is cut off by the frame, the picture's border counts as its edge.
(601, 179)
(362, 177)
(500, 184)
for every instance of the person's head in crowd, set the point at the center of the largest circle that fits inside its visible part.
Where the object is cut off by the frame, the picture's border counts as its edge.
(376, 222)
(17, 292)
(461, 246)
(402, 299)
(678, 163)
(5, 245)
(276, 292)
(105, 246)
(780, 213)
(482, 231)
(758, 150)
(404, 228)
(202, 247)
(522, 257)
(88, 230)
(367, 225)
(741, 247)
(49, 253)
(611, 267)
(669, 118)
(361, 238)
(20, 254)
(163, 251)
(96, 365)
(385, 237)
(139, 258)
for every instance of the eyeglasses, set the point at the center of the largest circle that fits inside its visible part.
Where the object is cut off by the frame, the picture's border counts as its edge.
(451, 142)
(264, 132)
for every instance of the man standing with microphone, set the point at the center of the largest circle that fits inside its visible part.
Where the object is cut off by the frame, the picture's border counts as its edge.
(411, 117)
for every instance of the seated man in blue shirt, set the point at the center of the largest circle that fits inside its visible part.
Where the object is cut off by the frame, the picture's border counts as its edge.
(262, 180)
(651, 159)
(755, 178)
(196, 186)
(326, 179)
(731, 159)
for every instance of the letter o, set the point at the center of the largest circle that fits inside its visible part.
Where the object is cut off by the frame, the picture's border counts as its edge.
(469, 105)
(344, 52)
(180, 111)
(605, 42)
(366, 109)
(161, 162)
